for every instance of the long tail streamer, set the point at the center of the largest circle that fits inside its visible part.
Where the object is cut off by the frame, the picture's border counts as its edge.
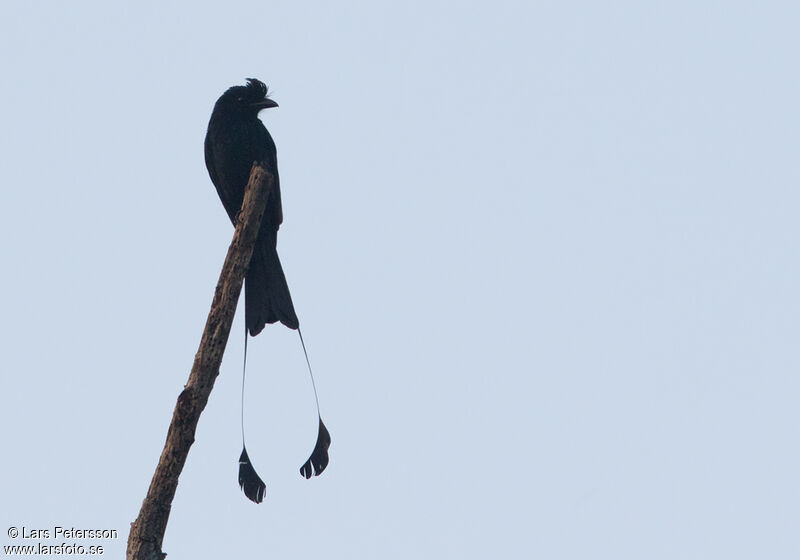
(249, 481)
(319, 456)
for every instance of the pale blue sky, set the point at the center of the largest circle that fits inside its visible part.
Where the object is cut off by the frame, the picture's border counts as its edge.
(544, 255)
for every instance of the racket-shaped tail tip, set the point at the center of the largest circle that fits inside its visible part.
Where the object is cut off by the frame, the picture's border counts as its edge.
(319, 457)
(249, 481)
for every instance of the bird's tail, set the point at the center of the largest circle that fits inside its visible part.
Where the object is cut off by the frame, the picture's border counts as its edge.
(266, 293)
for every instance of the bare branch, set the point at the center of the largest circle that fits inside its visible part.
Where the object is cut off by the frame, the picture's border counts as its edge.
(147, 532)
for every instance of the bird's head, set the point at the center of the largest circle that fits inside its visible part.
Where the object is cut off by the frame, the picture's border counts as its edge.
(249, 99)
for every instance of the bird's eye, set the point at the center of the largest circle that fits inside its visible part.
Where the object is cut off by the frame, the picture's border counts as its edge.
(239, 98)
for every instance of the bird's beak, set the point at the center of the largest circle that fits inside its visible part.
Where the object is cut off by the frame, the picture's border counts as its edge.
(266, 103)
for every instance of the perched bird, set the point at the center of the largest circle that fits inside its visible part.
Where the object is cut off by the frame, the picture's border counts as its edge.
(236, 138)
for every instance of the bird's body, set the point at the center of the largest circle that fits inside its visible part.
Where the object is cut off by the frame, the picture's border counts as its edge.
(235, 139)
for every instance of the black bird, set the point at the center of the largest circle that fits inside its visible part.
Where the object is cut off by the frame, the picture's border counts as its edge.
(236, 138)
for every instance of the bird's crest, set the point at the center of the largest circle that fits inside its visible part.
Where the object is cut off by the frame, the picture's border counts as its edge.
(258, 89)
(253, 92)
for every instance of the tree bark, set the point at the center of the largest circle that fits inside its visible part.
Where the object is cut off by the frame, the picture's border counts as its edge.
(147, 532)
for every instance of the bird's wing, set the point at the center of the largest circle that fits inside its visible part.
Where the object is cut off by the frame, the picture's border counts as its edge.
(215, 160)
(210, 163)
